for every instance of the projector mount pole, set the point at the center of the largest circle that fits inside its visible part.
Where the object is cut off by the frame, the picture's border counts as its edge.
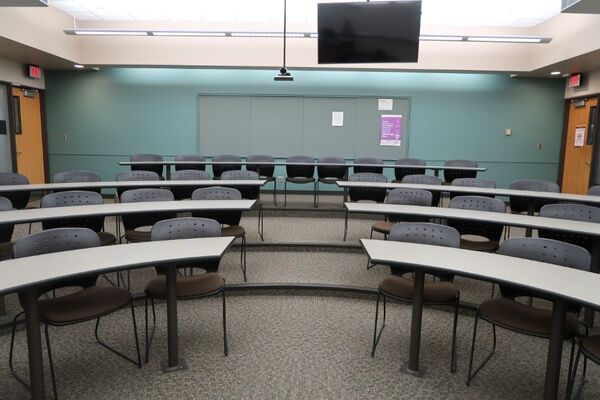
(283, 70)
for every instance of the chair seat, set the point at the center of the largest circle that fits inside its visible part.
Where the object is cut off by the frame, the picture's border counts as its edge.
(86, 304)
(382, 227)
(187, 286)
(235, 230)
(299, 179)
(403, 288)
(488, 246)
(137, 236)
(107, 239)
(6, 250)
(591, 347)
(329, 181)
(519, 317)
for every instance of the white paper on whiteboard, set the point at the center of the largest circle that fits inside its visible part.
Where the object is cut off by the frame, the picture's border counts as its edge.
(385, 104)
(337, 118)
(579, 136)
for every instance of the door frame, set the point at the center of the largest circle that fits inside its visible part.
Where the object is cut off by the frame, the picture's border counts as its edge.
(563, 142)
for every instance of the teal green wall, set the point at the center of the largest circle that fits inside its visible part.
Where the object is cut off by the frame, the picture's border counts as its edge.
(112, 113)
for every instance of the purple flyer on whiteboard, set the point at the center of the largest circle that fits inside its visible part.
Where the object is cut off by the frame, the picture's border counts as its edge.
(390, 133)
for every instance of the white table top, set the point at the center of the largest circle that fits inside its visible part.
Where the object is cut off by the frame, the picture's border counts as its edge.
(125, 184)
(43, 269)
(466, 190)
(553, 280)
(520, 220)
(41, 214)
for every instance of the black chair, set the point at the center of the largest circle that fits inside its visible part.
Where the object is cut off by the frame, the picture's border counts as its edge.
(368, 160)
(506, 312)
(401, 288)
(135, 176)
(229, 220)
(329, 174)
(190, 157)
(77, 198)
(147, 167)
(473, 182)
(300, 174)
(576, 212)
(6, 232)
(248, 192)
(412, 197)
(426, 180)
(520, 204)
(450, 175)
(90, 303)
(589, 347)
(364, 193)
(594, 190)
(185, 192)
(77, 176)
(265, 171)
(191, 286)
(218, 169)
(19, 199)
(400, 173)
(134, 221)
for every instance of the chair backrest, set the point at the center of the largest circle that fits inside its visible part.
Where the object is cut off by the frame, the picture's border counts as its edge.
(219, 193)
(544, 250)
(521, 204)
(248, 192)
(77, 176)
(263, 170)
(6, 230)
(594, 190)
(218, 169)
(489, 230)
(451, 175)
(190, 157)
(421, 179)
(73, 198)
(363, 193)
(187, 228)
(135, 176)
(368, 160)
(400, 173)
(576, 212)
(331, 171)
(147, 157)
(185, 192)
(425, 233)
(19, 199)
(136, 220)
(300, 171)
(473, 182)
(412, 197)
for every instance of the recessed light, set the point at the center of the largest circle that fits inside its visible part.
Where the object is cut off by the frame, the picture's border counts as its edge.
(188, 33)
(555, 73)
(507, 39)
(107, 32)
(514, 75)
(78, 66)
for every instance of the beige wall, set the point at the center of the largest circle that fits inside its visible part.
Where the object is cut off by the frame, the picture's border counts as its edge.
(14, 72)
(591, 85)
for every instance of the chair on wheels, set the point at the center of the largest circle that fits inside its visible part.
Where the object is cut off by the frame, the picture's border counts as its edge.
(158, 168)
(6, 232)
(185, 192)
(426, 180)
(473, 182)
(90, 303)
(506, 312)
(401, 288)
(77, 176)
(364, 193)
(248, 192)
(400, 173)
(265, 171)
(229, 220)
(135, 222)
(451, 174)
(19, 199)
(192, 158)
(218, 169)
(368, 160)
(410, 197)
(188, 287)
(490, 232)
(300, 174)
(329, 174)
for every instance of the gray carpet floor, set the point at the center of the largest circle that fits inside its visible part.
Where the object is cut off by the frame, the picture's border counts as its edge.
(292, 344)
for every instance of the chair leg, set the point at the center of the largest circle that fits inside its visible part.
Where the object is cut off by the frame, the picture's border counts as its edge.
(285, 193)
(225, 347)
(275, 191)
(261, 223)
(149, 337)
(51, 363)
(243, 257)
(11, 352)
(571, 380)
(376, 334)
(315, 195)
(137, 362)
(454, 332)
(345, 225)
(470, 374)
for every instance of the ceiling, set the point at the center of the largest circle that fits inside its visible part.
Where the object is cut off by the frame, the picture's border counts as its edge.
(501, 13)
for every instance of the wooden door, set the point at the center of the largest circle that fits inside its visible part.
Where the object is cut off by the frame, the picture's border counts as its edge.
(28, 134)
(578, 147)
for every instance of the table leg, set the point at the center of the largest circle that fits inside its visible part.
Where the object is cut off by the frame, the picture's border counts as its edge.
(168, 171)
(594, 267)
(34, 343)
(436, 172)
(412, 366)
(555, 351)
(174, 363)
(530, 211)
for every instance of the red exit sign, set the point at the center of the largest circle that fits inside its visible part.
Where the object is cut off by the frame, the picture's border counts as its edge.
(34, 72)
(575, 80)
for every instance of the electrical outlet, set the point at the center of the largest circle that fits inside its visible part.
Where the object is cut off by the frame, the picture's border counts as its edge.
(64, 136)
(508, 131)
(539, 145)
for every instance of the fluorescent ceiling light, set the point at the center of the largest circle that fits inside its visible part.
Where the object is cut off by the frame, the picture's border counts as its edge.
(507, 39)
(78, 66)
(188, 33)
(555, 73)
(441, 38)
(107, 32)
(268, 34)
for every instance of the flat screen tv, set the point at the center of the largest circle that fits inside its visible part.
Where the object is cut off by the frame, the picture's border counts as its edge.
(371, 32)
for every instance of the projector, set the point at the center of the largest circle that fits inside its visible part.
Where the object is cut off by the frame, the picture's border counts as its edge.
(284, 75)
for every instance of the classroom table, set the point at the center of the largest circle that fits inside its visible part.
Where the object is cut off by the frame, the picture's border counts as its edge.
(559, 283)
(26, 275)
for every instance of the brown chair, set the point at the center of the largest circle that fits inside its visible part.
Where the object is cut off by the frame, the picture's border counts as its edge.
(90, 303)
(411, 197)
(134, 221)
(191, 286)
(401, 288)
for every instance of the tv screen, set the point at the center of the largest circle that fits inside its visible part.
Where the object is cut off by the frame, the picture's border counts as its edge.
(373, 32)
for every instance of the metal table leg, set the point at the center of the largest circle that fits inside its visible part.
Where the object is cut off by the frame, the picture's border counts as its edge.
(34, 343)
(412, 366)
(554, 351)
(174, 363)
(530, 211)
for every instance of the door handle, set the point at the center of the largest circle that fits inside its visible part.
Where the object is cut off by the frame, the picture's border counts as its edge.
(19, 153)
(588, 163)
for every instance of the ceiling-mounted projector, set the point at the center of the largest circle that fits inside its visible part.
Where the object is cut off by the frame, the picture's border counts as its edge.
(284, 75)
